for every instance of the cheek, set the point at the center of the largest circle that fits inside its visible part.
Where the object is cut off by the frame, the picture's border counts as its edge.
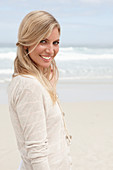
(39, 49)
(56, 50)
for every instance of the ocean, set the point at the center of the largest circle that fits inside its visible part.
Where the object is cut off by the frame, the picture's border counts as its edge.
(85, 74)
(74, 63)
(86, 64)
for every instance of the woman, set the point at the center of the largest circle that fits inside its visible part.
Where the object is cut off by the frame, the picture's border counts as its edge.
(37, 119)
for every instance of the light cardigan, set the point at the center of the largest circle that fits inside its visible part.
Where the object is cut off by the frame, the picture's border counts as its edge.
(38, 126)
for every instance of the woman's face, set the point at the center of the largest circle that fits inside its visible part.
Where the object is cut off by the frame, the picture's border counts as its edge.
(46, 50)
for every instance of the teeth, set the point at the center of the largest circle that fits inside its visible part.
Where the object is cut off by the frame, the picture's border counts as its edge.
(46, 57)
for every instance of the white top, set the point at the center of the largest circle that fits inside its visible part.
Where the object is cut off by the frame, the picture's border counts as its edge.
(38, 126)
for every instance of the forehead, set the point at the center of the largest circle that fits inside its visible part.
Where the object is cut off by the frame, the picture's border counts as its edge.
(54, 35)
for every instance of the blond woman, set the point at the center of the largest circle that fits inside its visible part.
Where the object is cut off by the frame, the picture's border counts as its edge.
(37, 119)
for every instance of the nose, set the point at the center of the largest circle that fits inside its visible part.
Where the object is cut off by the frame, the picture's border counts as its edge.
(50, 49)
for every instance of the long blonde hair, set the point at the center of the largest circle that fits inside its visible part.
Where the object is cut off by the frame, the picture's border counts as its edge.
(34, 27)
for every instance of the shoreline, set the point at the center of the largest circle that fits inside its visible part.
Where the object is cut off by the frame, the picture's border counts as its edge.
(73, 91)
(70, 80)
(77, 92)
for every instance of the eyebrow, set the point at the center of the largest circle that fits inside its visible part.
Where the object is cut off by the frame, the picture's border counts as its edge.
(53, 41)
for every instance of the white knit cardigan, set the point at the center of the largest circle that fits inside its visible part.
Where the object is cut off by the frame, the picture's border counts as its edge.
(38, 126)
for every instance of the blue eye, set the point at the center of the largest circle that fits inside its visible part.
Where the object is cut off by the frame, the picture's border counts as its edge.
(56, 42)
(43, 41)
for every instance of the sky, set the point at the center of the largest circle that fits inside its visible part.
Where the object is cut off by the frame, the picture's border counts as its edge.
(83, 22)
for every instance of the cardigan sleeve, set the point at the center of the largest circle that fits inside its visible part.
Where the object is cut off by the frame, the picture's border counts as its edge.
(31, 115)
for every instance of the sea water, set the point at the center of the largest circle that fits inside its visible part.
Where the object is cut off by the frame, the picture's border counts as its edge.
(85, 73)
(74, 64)
(86, 64)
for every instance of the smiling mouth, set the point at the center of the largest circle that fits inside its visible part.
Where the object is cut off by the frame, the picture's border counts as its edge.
(45, 58)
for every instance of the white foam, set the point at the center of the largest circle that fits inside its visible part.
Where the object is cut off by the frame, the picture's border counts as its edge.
(6, 80)
(69, 53)
(73, 63)
(6, 71)
(62, 56)
(8, 55)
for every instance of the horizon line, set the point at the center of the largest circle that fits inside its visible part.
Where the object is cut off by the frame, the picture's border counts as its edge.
(5, 44)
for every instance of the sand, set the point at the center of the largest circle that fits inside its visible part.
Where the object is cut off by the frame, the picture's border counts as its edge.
(90, 124)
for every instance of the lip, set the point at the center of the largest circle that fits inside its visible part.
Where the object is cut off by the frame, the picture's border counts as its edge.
(47, 60)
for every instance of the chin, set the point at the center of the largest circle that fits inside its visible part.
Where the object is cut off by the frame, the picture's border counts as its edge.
(46, 65)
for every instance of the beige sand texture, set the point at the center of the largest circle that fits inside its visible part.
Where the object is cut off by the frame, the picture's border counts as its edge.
(90, 124)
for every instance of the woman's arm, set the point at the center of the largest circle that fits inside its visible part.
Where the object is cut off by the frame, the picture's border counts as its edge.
(31, 114)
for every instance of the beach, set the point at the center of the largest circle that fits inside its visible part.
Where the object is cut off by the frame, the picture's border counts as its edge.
(89, 121)
(85, 89)
(91, 127)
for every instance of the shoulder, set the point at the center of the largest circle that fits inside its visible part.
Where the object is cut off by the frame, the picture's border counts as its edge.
(22, 83)
(26, 86)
